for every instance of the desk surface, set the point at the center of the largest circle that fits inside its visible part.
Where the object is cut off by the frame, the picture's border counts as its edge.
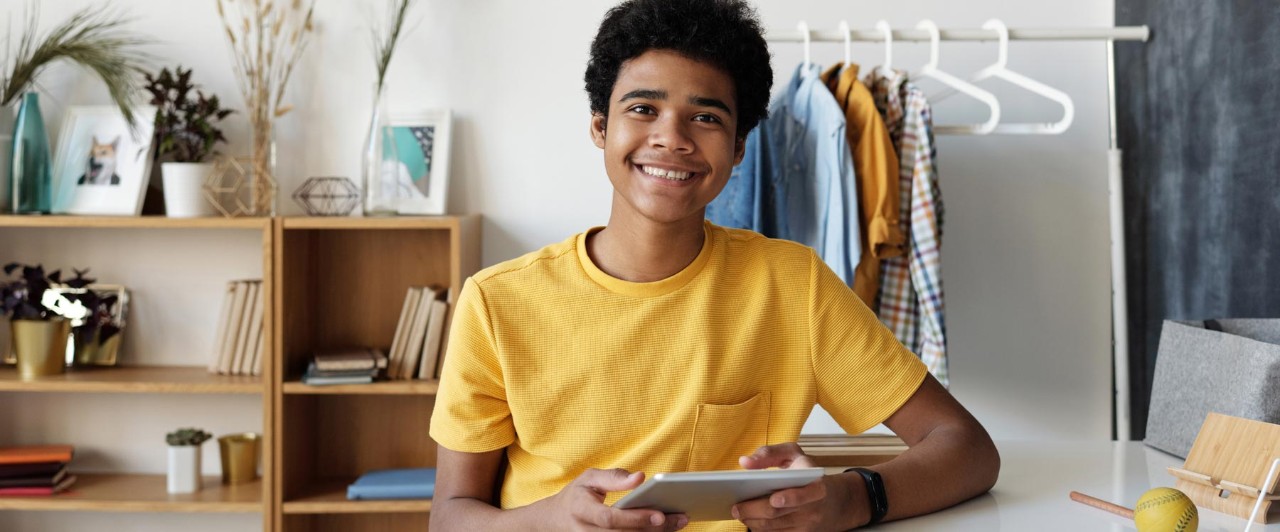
(1036, 478)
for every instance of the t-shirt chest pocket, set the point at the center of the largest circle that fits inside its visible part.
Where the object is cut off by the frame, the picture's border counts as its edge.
(722, 433)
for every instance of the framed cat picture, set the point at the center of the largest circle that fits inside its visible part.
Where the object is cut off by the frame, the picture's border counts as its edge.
(101, 166)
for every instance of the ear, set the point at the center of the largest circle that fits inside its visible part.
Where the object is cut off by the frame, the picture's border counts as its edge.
(739, 150)
(598, 123)
(95, 140)
(115, 144)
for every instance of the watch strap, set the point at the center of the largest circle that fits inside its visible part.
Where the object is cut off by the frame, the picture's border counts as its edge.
(876, 494)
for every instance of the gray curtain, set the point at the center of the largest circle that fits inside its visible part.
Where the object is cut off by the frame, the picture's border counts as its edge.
(1199, 123)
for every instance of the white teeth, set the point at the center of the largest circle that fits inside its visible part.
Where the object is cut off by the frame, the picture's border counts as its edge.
(666, 174)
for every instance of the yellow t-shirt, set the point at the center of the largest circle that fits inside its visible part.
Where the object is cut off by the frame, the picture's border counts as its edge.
(569, 368)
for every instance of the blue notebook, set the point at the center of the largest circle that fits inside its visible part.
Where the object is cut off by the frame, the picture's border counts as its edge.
(417, 483)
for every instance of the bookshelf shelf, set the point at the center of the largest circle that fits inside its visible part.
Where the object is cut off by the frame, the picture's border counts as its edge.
(143, 493)
(410, 387)
(330, 497)
(133, 222)
(134, 379)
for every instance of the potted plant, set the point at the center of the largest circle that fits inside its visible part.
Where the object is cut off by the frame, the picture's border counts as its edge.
(185, 136)
(39, 334)
(184, 459)
(92, 37)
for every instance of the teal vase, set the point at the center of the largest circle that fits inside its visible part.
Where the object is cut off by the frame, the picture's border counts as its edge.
(29, 175)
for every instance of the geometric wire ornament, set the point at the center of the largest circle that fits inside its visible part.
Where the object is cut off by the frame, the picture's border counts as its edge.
(234, 191)
(327, 196)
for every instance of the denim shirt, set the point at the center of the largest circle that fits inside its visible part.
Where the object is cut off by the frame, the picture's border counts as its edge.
(796, 180)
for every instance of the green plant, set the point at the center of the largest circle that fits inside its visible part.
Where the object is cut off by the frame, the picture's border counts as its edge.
(93, 38)
(185, 130)
(27, 296)
(384, 45)
(187, 436)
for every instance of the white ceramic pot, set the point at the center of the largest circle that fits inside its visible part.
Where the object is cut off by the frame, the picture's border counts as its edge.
(184, 190)
(184, 468)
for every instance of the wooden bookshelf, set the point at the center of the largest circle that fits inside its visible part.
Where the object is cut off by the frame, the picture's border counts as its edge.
(143, 493)
(134, 379)
(408, 387)
(132, 222)
(330, 497)
(342, 282)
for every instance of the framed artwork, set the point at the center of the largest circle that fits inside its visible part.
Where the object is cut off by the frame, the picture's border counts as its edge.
(422, 146)
(101, 166)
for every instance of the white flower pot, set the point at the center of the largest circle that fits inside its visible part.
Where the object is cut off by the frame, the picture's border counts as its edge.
(184, 468)
(184, 190)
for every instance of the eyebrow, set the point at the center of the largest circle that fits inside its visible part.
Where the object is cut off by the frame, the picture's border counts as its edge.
(651, 94)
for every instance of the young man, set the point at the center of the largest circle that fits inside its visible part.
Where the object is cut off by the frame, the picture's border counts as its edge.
(662, 343)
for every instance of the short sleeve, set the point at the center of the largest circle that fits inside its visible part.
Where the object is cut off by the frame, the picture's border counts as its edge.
(863, 373)
(471, 412)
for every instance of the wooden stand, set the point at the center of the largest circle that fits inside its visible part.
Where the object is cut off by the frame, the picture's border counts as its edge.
(1228, 466)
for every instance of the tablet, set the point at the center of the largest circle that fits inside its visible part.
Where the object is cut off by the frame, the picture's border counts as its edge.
(710, 495)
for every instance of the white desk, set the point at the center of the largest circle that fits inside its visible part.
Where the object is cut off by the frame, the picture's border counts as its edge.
(1036, 478)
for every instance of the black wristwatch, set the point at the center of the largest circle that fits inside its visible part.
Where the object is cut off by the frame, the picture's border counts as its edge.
(875, 493)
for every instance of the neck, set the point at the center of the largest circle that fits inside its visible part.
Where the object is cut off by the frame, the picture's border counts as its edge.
(636, 249)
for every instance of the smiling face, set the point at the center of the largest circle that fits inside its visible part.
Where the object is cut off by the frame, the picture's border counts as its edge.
(669, 141)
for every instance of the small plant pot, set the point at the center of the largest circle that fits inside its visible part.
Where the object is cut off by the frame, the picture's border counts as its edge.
(184, 190)
(40, 346)
(184, 468)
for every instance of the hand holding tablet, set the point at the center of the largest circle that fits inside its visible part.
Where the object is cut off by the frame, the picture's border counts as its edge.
(709, 495)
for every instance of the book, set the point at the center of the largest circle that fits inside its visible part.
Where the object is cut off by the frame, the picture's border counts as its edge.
(418, 483)
(254, 338)
(224, 316)
(257, 352)
(39, 481)
(31, 469)
(39, 490)
(242, 334)
(402, 331)
(314, 371)
(444, 339)
(431, 344)
(31, 454)
(325, 381)
(418, 330)
(241, 294)
(348, 359)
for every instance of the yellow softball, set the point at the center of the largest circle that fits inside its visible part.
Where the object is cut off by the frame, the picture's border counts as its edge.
(1165, 510)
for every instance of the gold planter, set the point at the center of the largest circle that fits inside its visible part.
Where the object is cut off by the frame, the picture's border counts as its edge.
(40, 346)
(240, 453)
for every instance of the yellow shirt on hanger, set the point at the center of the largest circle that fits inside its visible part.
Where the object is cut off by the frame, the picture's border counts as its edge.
(568, 368)
(876, 166)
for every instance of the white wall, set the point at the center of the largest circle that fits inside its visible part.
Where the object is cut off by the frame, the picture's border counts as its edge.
(1025, 246)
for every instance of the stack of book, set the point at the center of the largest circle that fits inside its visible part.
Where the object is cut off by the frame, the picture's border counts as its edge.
(239, 346)
(418, 346)
(418, 483)
(348, 366)
(844, 450)
(35, 470)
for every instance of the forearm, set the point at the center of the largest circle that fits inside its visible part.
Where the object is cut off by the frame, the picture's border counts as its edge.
(465, 514)
(950, 465)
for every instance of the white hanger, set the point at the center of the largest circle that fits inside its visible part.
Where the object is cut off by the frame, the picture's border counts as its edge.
(883, 26)
(1000, 70)
(848, 43)
(930, 70)
(803, 28)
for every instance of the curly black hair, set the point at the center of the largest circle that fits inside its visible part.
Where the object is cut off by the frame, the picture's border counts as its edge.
(723, 33)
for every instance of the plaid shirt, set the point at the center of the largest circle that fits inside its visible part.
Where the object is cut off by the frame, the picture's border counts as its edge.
(910, 300)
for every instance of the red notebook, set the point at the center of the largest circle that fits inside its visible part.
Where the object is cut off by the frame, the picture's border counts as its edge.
(31, 454)
(40, 490)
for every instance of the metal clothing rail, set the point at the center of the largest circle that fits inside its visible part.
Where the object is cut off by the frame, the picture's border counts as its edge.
(1119, 33)
(1119, 295)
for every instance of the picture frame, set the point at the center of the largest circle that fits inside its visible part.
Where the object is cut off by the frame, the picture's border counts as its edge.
(422, 141)
(102, 166)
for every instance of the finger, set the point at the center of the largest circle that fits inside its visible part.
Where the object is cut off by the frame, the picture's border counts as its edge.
(796, 497)
(607, 480)
(805, 520)
(758, 509)
(676, 522)
(778, 455)
(610, 518)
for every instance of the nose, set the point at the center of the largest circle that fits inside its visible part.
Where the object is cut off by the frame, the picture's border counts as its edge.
(671, 133)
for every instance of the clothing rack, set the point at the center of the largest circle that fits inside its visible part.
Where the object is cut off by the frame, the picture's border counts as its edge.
(1119, 302)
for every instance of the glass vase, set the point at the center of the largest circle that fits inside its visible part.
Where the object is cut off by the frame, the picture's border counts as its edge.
(30, 176)
(380, 162)
(262, 172)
